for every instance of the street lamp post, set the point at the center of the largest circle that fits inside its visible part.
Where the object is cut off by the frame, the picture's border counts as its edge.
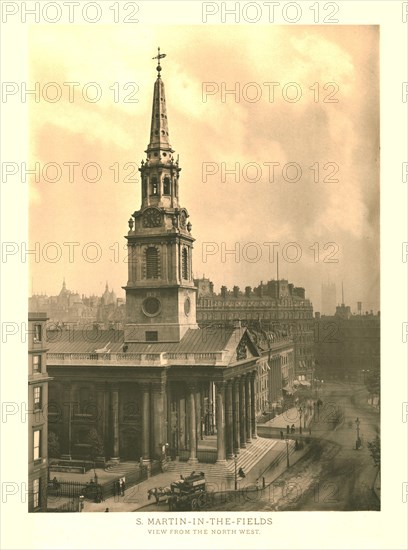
(235, 472)
(287, 452)
(300, 419)
(358, 433)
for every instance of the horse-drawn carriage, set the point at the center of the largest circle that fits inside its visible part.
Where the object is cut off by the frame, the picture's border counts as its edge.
(189, 493)
(184, 494)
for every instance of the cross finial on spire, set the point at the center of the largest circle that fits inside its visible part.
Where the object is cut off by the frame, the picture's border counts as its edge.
(158, 57)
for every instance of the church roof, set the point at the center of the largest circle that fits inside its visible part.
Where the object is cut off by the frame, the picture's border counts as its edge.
(222, 340)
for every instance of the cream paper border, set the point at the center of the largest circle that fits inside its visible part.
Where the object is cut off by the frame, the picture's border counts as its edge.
(386, 529)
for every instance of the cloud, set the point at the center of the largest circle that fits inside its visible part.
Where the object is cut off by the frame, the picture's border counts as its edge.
(309, 132)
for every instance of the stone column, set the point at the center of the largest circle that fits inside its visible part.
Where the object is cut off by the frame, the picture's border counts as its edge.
(248, 402)
(192, 425)
(242, 413)
(235, 414)
(198, 412)
(220, 394)
(145, 423)
(211, 408)
(159, 433)
(253, 415)
(66, 428)
(229, 430)
(114, 393)
(100, 402)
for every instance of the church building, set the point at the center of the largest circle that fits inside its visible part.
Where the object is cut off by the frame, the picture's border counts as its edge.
(162, 381)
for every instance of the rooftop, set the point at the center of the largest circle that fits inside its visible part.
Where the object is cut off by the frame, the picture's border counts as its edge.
(211, 346)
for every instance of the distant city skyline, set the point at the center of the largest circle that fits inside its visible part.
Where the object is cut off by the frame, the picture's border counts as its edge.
(353, 306)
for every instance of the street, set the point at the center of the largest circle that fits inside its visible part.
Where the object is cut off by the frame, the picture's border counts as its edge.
(333, 475)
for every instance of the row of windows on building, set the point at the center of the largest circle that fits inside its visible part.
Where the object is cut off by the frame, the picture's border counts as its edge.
(252, 315)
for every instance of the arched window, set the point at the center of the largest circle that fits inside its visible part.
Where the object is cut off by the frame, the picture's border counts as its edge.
(144, 188)
(152, 263)
(166, 186)
(184, 263)
(155, 186)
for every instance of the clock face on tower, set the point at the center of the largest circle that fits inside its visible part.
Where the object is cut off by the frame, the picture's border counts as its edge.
(152, 218)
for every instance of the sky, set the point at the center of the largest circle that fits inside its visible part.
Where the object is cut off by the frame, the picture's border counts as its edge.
(307, 105)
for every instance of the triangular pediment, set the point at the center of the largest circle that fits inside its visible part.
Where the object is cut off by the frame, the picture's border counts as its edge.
(243, 348)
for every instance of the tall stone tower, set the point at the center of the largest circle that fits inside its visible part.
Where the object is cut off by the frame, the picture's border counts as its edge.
(160, 292)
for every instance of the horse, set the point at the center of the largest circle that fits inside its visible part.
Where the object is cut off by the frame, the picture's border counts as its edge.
(159, 493)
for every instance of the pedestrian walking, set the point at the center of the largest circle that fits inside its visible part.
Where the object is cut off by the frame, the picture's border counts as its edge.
(281, 434)
(122, 486)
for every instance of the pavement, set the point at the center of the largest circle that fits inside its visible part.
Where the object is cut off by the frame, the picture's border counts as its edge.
(288, 417)
(135, 497)
(332, 475)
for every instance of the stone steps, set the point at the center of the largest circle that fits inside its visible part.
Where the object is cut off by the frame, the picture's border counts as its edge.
(221, 475)
(217, 476)
(122, 467)
(253, 453)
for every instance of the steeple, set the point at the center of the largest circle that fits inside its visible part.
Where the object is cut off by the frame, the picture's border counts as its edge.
(159, 172)
(159, 129)
(160, 291)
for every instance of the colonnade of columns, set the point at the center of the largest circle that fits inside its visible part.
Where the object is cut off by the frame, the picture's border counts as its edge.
(235, 415)
(234, 412)
(153, 418)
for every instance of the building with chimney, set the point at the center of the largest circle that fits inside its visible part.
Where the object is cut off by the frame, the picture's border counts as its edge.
(276, 306)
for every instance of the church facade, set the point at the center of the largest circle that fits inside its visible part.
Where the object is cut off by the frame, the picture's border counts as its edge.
(162, 381)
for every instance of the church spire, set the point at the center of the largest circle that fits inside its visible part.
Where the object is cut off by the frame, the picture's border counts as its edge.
(160, 172)
(159, 129)
(160, 291)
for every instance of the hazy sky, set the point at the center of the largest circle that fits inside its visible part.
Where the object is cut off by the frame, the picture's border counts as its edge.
(261, 128)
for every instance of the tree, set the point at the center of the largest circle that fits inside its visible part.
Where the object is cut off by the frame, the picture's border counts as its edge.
(374, 447)
(53, 445)
(373, 383)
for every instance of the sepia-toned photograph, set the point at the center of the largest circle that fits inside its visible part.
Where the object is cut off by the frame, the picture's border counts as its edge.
(204, 276)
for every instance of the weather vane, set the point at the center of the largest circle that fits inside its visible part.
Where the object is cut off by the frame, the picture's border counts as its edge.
(158, 57)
